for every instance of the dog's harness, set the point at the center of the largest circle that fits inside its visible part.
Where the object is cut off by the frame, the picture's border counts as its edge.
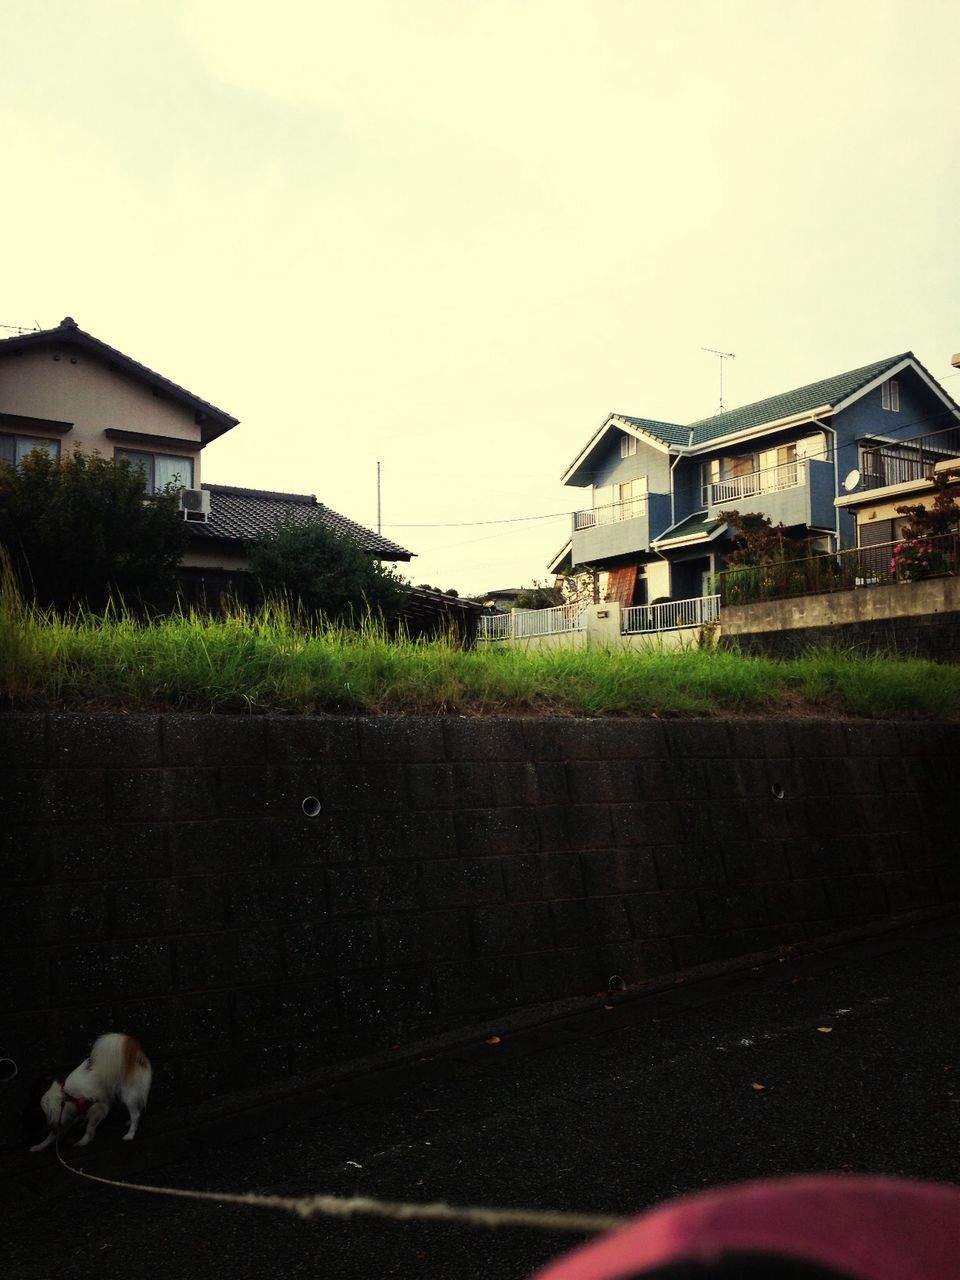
(82, 1104)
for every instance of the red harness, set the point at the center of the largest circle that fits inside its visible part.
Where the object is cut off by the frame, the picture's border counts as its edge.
(82, 1104)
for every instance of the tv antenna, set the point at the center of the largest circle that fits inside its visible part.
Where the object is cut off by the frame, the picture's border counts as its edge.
(721, 355)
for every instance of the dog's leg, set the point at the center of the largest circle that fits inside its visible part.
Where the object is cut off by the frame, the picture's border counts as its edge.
(42, 1146)
(96, 1113)
(134, 1097)
(135, 1107)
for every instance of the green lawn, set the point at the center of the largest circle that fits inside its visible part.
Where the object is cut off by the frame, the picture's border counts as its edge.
(267, 662)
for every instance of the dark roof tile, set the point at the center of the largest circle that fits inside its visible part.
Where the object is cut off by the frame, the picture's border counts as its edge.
(238, 514)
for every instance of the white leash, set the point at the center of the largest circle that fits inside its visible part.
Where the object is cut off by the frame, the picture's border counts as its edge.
(363, 1206)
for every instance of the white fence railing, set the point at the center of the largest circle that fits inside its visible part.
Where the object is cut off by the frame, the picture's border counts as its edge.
(493, 626)
(670, 616)
(612, 513)
(547, 622)
(789, 475)
(521, 624)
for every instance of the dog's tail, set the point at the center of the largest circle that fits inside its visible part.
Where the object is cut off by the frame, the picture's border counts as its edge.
(134, 1059)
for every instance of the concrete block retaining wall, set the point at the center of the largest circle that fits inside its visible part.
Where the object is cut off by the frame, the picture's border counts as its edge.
(913, 619)
(160, 876)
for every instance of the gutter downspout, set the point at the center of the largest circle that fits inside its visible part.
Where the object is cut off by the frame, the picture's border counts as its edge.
(836, 476)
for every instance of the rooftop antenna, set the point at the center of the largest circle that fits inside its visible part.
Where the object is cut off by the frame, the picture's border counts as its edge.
(721, 355)
(378, 497)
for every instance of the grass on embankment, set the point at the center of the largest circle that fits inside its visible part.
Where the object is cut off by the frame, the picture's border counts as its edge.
(266, 662)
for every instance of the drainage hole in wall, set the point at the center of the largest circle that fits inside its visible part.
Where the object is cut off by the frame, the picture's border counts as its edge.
(311, 806)
(616, 983)
(777, 791)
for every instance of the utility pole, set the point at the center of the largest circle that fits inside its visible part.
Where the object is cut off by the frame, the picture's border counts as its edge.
(722, 355)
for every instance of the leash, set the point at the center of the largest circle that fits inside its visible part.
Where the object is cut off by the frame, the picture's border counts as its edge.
(306, 1207)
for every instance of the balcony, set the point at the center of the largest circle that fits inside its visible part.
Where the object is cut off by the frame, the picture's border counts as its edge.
(619, 528)
(906, 461)
(795, 493)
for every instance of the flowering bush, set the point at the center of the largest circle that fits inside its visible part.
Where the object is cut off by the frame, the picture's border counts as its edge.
(918, 558)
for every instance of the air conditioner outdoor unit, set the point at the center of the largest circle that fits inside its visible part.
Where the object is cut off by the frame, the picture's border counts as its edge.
(195, 504)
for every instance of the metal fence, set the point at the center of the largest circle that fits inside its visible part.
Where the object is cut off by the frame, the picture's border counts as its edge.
(900, 462)
(700, 611)
(522, 624)
(887, 562)
(612, 513)
(788, 475)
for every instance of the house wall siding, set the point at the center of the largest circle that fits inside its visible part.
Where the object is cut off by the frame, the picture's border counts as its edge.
(159, 875)
(78, 388)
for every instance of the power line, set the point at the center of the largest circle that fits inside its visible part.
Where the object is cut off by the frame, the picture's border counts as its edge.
(469, 524)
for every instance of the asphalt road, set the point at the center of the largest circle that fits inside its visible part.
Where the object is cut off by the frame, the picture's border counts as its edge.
(609, 1113)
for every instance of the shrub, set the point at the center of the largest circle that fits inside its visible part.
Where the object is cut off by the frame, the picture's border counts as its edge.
(325, 574)
(80, 531)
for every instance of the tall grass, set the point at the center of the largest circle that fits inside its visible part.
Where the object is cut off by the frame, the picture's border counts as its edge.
(273, 660)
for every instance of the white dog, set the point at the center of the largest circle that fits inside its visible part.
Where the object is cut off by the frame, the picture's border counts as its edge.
(117, 1068)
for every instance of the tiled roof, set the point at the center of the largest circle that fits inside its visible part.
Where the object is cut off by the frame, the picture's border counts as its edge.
(214, 421)
(699, 524)
(668, 432)
(829, 391)
(239, 514)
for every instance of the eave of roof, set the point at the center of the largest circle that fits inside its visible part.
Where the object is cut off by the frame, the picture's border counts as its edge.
(660, 434)
(691, 529)
(212, 421)
(239, 515)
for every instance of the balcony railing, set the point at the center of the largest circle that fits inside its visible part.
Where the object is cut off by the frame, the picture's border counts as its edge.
(788, 475)
(671, 615)
(522, 624)
(887, 562)
(613, 513)
(904, 461)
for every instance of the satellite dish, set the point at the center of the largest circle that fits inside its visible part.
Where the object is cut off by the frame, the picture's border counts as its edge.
(851, 480)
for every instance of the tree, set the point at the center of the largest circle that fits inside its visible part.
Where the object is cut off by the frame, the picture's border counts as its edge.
(942, 517)
(757, 541)
(81, 531)
(538, 596)
(327, 574)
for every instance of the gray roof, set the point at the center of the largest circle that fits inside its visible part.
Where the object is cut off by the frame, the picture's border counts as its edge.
(668, 432)
(243, 514)
(829, 391)
(815, 395)
(212, 421)
(699, 525)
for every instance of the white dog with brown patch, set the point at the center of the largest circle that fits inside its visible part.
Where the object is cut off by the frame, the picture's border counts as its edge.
(117, 1068)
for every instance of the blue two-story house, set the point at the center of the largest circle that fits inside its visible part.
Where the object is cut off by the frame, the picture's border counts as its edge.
(657, 488)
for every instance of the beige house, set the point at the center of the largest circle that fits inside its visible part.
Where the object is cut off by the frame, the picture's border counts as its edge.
(62, 388)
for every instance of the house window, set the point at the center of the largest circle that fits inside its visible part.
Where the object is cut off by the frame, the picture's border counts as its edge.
(14, 449)
(628, 446)
(160, 470)
(890, 395)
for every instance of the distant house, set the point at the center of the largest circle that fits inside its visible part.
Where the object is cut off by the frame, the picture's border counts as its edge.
(62, 387)
(656, 489)
(501, 600)
(897, 474)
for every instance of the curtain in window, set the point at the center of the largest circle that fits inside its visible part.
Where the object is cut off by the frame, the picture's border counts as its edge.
(620, 585)
(175, 471)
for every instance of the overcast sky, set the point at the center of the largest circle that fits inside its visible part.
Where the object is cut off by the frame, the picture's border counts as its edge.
(451, 236)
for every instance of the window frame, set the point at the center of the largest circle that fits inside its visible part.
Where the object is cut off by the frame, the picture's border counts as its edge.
(133, 457)
(890, 395)
(50, 446)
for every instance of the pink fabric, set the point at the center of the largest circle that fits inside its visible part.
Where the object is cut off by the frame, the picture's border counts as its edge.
(869, 1228)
